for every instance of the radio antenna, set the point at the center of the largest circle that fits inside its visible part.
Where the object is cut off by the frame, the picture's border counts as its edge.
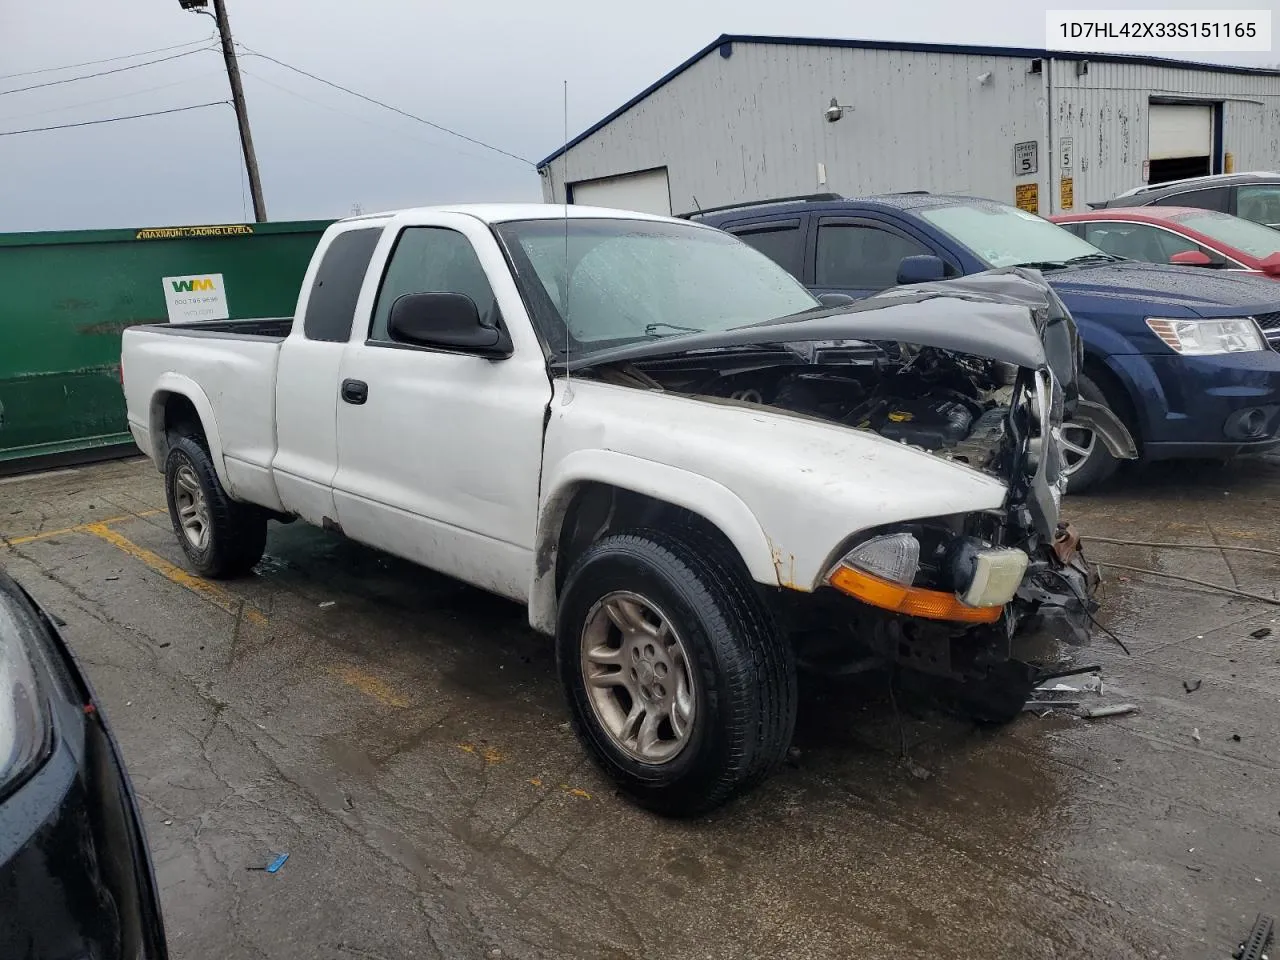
(564, 185)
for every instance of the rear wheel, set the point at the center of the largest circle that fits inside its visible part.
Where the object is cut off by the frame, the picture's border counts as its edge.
(221, 537)
(677, 680)
(1088, 462)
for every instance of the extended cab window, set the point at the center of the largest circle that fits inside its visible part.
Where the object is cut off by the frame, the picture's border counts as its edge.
(861, 257)
(780, 242)
(332, 303)
(432, 260)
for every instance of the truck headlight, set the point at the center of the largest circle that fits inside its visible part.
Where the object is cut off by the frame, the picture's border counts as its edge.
(1200, 338)
(881, 572)
(23, 717)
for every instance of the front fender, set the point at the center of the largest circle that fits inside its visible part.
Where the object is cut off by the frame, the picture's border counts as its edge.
(176, 383)
(710, 500)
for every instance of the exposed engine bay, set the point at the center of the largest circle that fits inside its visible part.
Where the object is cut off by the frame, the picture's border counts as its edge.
(950, 404)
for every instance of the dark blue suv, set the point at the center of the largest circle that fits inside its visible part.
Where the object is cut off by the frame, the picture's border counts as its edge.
(1185, 357)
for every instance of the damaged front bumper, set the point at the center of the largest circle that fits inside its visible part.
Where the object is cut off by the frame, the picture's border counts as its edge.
(991, 654)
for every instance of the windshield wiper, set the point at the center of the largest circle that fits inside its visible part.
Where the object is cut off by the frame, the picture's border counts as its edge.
(1043, 264)
(1096, 258)
(652, 329)
(1072, 262)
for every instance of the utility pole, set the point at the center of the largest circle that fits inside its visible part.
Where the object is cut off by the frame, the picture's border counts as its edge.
(242, 114)
(237, 98)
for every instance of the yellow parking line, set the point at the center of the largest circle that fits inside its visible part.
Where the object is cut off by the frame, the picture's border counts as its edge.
(210, 591)
(79, 528)
(370, 685)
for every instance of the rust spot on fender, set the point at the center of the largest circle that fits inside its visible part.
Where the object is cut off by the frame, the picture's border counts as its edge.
(784, 565)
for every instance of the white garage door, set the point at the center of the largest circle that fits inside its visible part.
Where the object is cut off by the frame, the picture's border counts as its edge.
(1180, 130)
(645, 192)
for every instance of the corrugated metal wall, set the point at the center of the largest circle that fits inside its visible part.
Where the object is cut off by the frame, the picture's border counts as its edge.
(1105, 112)
(751, 126)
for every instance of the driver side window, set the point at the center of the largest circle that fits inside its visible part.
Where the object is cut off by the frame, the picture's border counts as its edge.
(861, 256)
(432, 260)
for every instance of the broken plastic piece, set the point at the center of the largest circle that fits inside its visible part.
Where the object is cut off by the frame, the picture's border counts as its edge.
(1117, 710)
(1261, 632)
(1191, 686)
(277, 863)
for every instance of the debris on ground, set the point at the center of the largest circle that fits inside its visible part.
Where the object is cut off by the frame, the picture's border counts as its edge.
(1191, 686)
(1235, 737)
(1045, 707)
(1261, 632)
(1195, 734)
(1254, 945)
(274, 866)
(1115, 710)
(327, 603)
(917, 771)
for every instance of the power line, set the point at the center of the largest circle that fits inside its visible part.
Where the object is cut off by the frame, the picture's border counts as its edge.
(386, 106)
(118, 96)
(132, 116)
(103, 73)
(94, 63)
(359, 119)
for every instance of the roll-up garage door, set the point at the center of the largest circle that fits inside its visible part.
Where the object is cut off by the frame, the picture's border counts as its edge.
(1179, 141)
(644, 192)
(1180, 130)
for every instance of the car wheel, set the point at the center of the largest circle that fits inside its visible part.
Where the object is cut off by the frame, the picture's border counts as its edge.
(1088, 463)
(678, 682)
(221, 538)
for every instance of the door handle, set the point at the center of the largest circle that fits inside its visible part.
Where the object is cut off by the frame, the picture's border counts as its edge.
(354, 391)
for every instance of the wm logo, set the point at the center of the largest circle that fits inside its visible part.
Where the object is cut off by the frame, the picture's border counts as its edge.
(189, 286)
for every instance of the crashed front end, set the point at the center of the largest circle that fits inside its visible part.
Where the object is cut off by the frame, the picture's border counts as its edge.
(979, 371)
(981, 598)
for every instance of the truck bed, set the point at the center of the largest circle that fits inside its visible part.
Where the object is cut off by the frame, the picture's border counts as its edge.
(259, 328)
(228, 370)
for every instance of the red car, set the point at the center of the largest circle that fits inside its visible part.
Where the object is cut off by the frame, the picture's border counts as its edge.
(1185, 235)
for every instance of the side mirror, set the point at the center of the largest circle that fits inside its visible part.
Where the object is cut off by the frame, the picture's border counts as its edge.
(1192, 258)
(835, 299)
(1271, 265)
(921, 269)
(448, 320)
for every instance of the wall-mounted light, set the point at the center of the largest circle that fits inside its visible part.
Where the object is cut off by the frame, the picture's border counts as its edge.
(835, 110)
(984, 78)
(1082, 67)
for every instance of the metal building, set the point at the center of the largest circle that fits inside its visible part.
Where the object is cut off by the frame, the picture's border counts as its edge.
(749, 118)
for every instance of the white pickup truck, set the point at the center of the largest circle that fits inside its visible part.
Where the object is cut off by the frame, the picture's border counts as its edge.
(696, 475)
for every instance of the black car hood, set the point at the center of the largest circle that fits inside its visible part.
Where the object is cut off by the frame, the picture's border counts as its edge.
(1207, 293)
(1010, 315)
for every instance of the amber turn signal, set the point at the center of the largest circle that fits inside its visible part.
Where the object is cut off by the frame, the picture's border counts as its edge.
(911, 601)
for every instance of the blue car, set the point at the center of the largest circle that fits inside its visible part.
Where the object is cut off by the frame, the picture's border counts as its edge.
(1185, 358)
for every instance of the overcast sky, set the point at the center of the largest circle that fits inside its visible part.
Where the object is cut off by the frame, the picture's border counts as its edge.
(492, 69)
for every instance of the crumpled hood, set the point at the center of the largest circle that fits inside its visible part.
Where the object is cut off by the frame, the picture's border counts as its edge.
(1011, 315)
(1197, 290)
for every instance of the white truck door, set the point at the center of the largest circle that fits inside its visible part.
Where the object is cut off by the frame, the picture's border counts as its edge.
(307, 381)
(440, 451)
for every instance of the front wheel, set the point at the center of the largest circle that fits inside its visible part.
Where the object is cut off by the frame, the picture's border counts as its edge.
(677, 680)
(221, 537)
(1087, 461)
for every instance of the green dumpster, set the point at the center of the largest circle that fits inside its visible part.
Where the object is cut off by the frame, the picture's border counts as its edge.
(65, 297)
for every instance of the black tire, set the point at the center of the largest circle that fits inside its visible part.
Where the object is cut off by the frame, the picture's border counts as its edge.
(1100, 465)
(745, 671)
(237, 531)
